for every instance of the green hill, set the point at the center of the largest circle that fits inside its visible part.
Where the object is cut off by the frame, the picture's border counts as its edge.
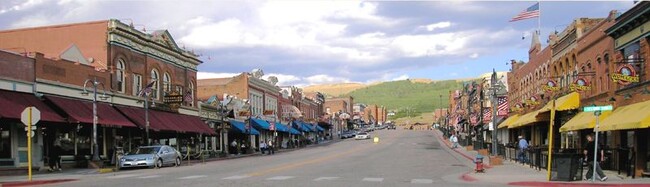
(407, 97)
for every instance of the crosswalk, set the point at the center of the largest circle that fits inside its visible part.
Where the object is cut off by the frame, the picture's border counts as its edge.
(273, 178)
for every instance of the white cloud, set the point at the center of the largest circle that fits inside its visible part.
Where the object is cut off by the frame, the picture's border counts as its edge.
(473, 55)
(439, 25)
(8, 7)
(284, 80)
(325, 79)
(401, 77)
(210, 75)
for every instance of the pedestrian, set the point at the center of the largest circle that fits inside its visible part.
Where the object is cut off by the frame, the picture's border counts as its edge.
(588, 151)
(235, 149)
(270, 147)
(523, 146)
(454, 141)
(55, 155)
(262, 146)
(243, 147)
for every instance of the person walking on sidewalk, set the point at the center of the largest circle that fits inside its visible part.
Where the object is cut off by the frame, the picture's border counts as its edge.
(454, 141)
(270, 147)
(523, 146)
(588, 150)
(263, 147)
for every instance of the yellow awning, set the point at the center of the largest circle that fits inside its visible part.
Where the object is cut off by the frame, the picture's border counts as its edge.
(526, 119)
(634, 116)
(508, 121)
(567, 102)
(583, 120)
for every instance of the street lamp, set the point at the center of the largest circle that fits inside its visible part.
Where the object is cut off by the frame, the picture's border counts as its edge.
(495, 86)
(95, 83)
(223, 107)
(248, 124)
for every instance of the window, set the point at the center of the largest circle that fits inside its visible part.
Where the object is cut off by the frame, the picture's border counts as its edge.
(155, 77)
(167, 83)
(119, 73)
(190, 89)
(606, 58)
(137, 84)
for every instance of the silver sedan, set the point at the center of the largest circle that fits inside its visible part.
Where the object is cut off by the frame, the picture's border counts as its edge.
(151, 156)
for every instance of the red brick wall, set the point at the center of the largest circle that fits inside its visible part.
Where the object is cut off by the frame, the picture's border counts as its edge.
(67, 72)
(16, 67)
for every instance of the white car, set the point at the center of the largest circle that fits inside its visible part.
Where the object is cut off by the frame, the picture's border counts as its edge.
(362, 136)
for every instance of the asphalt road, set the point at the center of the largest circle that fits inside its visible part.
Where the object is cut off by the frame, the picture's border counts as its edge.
(401, 158)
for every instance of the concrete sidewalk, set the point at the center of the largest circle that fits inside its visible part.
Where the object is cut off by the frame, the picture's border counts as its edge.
(511, 173)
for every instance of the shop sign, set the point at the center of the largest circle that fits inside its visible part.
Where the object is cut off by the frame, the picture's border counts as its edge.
(517, 108)
(533, 101)
(551, 86)
(579, 85)
(625, 75)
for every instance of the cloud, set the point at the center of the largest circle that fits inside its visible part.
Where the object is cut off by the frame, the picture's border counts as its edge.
(325, 79)
(285, 80)
(438, 25)
(210, 75)
(401, 77)
(473, 55)
(13, 6)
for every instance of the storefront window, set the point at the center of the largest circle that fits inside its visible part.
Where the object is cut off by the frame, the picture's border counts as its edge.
(5, 142)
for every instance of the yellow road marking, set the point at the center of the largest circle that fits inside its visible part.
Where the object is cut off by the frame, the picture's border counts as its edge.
(312, 161)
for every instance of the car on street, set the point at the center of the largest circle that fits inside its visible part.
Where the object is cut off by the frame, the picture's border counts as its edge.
(362, 136)
(151, 156)
(391, 127)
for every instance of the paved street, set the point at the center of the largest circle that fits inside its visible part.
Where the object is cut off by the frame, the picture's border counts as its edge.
(402, 158)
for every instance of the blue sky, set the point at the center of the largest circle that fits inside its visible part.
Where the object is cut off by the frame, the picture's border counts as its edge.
(316, 42)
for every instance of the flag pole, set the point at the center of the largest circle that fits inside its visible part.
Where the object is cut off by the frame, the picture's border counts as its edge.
(539, 18)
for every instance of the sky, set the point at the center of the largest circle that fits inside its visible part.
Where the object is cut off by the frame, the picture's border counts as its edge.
(319, 42)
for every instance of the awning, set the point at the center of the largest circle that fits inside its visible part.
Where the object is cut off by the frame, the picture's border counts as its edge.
(260, 124)
(568, 102)
(294, 131)
(301, 126)
(320, 128)
(166, 121)
(281, 127)
(526, 119)
(241, 128)
(583, 120)
(13, 103)
(634, 116)
(508, 121)
(80, 111)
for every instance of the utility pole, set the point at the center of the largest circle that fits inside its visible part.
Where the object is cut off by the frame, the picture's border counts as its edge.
(494, 86)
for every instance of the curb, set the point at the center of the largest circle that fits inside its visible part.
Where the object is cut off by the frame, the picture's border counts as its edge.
(467, 178)
(106, 170)
(553, 184)
(35, 182)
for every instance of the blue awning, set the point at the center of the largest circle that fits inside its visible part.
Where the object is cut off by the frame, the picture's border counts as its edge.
(260, 124)
(281, 127)
(241, 127)
(320, 128)
(294, 131)
(298, 125)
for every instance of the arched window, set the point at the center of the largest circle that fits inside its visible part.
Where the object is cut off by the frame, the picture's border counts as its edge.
(167, 83)
(190, 90)
(155, 77)
(606, 56)
(119, 76)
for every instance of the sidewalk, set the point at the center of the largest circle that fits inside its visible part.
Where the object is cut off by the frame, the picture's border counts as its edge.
(511, 173)
(72, 174)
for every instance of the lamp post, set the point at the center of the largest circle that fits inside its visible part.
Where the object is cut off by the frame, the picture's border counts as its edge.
(223, 107)
(495, 86)
(94, 83)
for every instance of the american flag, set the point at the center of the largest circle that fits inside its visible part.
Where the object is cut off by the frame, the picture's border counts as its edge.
(487, 114)
(503, 106)
(530, 12)
(188, 97)
(147, 89)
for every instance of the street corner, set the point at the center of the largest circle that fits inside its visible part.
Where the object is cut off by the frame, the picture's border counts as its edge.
(580, 184)
(34, 182)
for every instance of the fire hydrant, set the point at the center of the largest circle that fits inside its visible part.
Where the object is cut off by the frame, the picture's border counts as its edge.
(479, 164)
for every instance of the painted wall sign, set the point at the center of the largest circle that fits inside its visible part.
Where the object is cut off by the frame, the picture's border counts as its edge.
(533, 101)
(551, 86)
(580, 84)
(625, 75)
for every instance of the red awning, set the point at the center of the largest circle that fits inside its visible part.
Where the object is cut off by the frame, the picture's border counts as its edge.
(82, 112)
(166, 121)
(13, 103)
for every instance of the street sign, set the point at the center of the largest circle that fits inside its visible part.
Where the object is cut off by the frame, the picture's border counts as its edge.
(36, 115)
(272, 126)
(597, 108)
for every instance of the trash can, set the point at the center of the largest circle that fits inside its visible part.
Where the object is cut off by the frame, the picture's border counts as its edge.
(565, 167)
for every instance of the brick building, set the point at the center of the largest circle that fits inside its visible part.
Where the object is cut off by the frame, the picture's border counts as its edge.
(67, 59)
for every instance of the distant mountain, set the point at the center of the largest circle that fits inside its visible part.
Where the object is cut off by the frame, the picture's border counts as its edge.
(411, 96)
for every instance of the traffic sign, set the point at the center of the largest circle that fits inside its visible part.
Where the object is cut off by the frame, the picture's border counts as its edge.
(36, 115)
(597, 108)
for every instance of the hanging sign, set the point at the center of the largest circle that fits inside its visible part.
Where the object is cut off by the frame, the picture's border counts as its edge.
(580, 84)
(550, 86)
(533, 101)
(625, 75)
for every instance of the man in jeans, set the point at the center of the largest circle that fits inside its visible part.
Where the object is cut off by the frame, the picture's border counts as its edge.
(522, 147)
(588, 150)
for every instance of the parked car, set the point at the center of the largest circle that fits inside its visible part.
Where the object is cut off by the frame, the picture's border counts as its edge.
(392, 127)
(151, 156)
(362, 136)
